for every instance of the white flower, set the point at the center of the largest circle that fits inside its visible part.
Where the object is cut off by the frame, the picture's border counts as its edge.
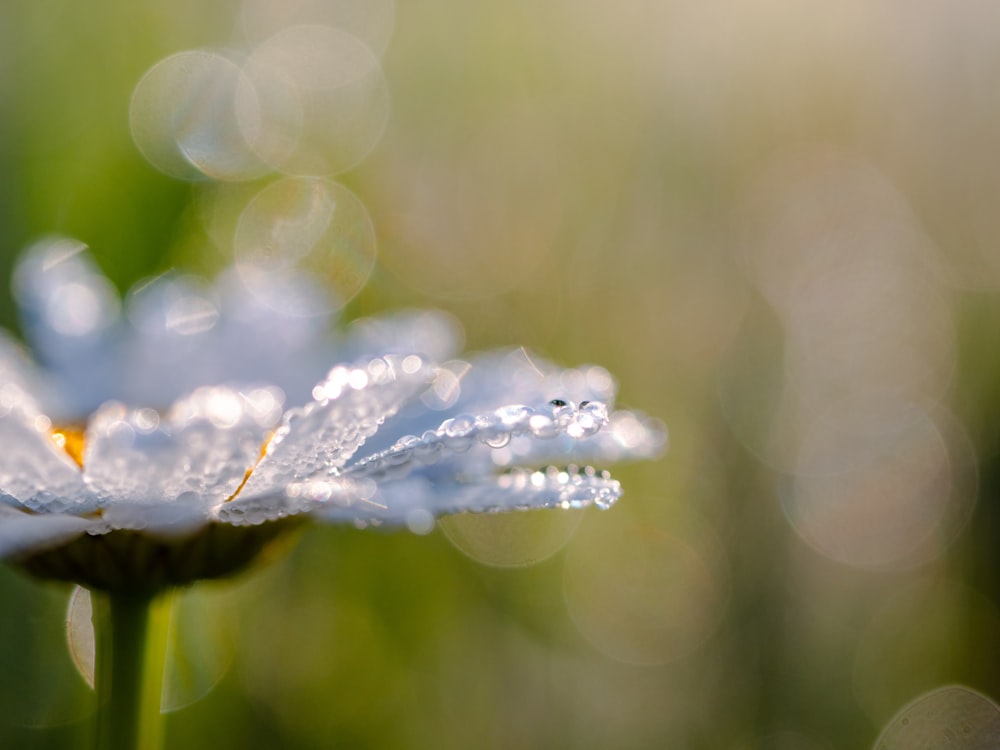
(146, 496)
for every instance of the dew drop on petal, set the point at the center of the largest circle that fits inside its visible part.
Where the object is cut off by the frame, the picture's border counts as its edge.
(460, 426)
(497, 440)
(420, 521)
(515, 417)
(542, 426)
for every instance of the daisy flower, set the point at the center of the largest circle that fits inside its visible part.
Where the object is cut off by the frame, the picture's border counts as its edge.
(172, 441)
(171, 438)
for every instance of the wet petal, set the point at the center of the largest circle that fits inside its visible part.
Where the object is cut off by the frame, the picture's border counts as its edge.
(433, 333)
(196, 456)
(297, 499)
(488, 381)
(350, 406)
(23, 532)
(186, 514)
(34, 471)
(70, 311)
(15, 366)
(628, 436)
(422, 497)
(502, 377)
(475, 435)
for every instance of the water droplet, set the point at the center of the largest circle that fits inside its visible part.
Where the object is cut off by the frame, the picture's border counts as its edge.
(542, 426)
(516, 417)
(420, 521)
(497, 440)
(459, 426)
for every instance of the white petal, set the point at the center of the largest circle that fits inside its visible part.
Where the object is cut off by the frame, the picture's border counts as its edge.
(23, 533)
(15, 366)
(433, 333)
(628, 436)
(491, 380)
(351, 405)
(163, 520)
(33, 469)
(298, 499)
(185, 334)
(403, 501)
(467, 434)
(197, 456)
(502, 377)
(70, 311)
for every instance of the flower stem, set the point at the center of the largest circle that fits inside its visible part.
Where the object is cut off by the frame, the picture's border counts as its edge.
(131, 653)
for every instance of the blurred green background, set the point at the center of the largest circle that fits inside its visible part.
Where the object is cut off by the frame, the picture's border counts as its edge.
(775, 222)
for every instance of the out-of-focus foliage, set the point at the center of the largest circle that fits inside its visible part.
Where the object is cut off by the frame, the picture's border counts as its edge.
(775, 222)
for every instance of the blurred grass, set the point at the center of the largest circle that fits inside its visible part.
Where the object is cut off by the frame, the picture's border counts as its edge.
(573, 177)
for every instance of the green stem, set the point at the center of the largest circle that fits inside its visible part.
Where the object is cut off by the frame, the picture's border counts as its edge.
(131, 631)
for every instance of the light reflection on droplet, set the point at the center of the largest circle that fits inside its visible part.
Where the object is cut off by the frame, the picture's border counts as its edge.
(420, 521)
(342, 98)
(447, 385)
(300, 225)
(184, 117)
(511, 539)
(954, 717)
(640, 595)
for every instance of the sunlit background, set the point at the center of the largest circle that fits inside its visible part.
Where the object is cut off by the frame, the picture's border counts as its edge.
(775, 222)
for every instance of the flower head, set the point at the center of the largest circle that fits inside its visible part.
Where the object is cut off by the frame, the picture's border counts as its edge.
(143, 495)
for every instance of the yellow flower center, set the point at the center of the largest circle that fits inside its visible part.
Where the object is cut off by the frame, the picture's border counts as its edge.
(72, 440)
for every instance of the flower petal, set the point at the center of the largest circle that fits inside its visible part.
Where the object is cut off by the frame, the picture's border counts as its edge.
(23, 532)
(350, 406)
(488, 381)
(297, 499)
(628, 436)
(467, 434)
(197, 456)
(16, 368)
(423, 496)
(186, 514)
(34, 471)
(433, 333)
(70, 311)
(224, 334)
